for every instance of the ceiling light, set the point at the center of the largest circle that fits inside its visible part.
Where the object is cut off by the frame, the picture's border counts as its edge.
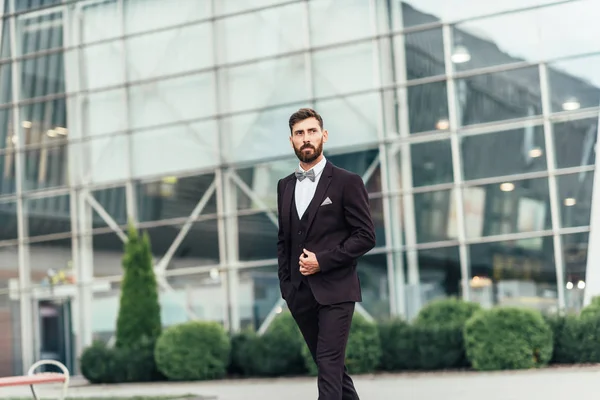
(26, 124)
(51, 133)
(569, 285)
(571, 104)
(507, 187)
(214, 273)
(61, 131)
(460, 55)
(480, 282)
(535, 152)
(570, 201)
(581, 285)
(442, 124)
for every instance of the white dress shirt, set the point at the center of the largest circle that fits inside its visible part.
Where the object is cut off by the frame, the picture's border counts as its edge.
(305, 189)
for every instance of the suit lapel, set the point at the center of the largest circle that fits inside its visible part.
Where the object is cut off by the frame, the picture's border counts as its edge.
(322, 187)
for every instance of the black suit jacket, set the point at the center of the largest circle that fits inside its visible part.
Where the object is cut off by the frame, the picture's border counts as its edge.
(338, 233)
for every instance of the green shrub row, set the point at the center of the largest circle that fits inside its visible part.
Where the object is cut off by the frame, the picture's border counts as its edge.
(446, 334)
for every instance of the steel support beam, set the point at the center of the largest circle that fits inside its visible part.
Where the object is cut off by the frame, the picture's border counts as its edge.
(106, 216)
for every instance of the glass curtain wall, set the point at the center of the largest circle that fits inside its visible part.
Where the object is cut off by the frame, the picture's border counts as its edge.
(476, 146)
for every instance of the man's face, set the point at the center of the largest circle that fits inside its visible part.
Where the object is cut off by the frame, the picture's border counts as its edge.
(307, 140)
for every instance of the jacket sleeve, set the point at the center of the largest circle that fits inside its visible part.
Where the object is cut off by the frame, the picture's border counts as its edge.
(283, 267)
(362, 231)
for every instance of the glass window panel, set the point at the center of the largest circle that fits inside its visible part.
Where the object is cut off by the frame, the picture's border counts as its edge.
(174, 197)
(174, 51)
(488, 42)
(435, 216)
(351, 120)
(439, 274)
(574, 142)
(514, 273)
(5, 87)
(189, 254)
(8, 180)
(269, 27)
(103, 159)
(344, 70)
(107, 254)
(499, 96)
(257, 236)
(238, 6)
(417, 12)
(507, 207)
(114, 202)
(8, 221)
(574, 83)
(40, 32)
(42, 76)
(352, 21)
(260, 293)
(372, 272)
(5, 39)
(102, 66)
(575, 254)
(48, 215)
(197, 297)
(93, 20)
(7, 137)
(266, 83)
(575, 197)
(11, 361)
(424, 53)
(104, 112)
(162, 102)
(47, 166)
(175, 149)
(146, 15)
(376, 208)
(44, 123)
(29, 5)
(361, 163)
(431, 163)
(258, 135)
(502, 153)
(428, 107)
(50, 256)
(105, 309)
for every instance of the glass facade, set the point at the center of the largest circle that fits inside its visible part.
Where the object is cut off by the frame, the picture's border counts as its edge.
(175, 117)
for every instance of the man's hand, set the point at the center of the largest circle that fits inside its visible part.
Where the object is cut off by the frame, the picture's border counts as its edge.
(308, 263)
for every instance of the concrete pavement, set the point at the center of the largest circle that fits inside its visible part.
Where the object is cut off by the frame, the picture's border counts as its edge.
(547, 384)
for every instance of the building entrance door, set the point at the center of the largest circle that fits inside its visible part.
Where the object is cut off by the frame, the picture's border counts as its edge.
(54, 332)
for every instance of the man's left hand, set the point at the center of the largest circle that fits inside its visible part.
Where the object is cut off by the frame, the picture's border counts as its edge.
(308, 263)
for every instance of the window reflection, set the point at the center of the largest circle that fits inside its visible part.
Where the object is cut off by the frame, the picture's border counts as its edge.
(424, 53)
(502, 153)
(507, 207)
(575, 253)
(575, 198)
(431, 163)
(514, 273)
(435, 216)
(439, 273)
(499, 96)
(574, 142)
(574, 83)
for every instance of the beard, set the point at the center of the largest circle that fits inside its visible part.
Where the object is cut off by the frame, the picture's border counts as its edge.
(308, 157)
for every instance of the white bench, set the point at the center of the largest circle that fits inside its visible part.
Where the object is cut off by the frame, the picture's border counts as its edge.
(32, 378)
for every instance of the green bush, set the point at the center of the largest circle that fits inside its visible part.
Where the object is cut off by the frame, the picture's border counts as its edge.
(363, 351)
(102, 364)
(398, 346)
(193, 350)
(438, 331)
(278, 352)
(587, 336)
(508, 338)
(139, 309)
(238, 341)
(566, 334)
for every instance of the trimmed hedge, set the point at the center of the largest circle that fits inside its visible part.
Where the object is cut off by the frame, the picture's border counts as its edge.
(439, 333)
(446, 334)
(193, 351)
(508, 338)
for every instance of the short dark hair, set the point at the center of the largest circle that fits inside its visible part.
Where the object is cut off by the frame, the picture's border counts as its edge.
(305, 113)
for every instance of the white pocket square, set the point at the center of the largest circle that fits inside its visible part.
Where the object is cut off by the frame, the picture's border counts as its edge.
(326, 201)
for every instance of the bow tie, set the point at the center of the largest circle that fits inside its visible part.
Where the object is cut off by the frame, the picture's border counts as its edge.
(305, 174)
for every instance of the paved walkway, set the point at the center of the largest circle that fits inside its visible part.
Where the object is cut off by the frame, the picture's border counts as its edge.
(547, 384)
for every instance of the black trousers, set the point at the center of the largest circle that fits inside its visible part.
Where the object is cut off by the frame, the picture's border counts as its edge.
(325, 329)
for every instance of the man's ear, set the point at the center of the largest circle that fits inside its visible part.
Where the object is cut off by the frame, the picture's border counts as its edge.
(325, 135)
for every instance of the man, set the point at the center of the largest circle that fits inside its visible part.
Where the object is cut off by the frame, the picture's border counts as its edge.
(324, 226)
